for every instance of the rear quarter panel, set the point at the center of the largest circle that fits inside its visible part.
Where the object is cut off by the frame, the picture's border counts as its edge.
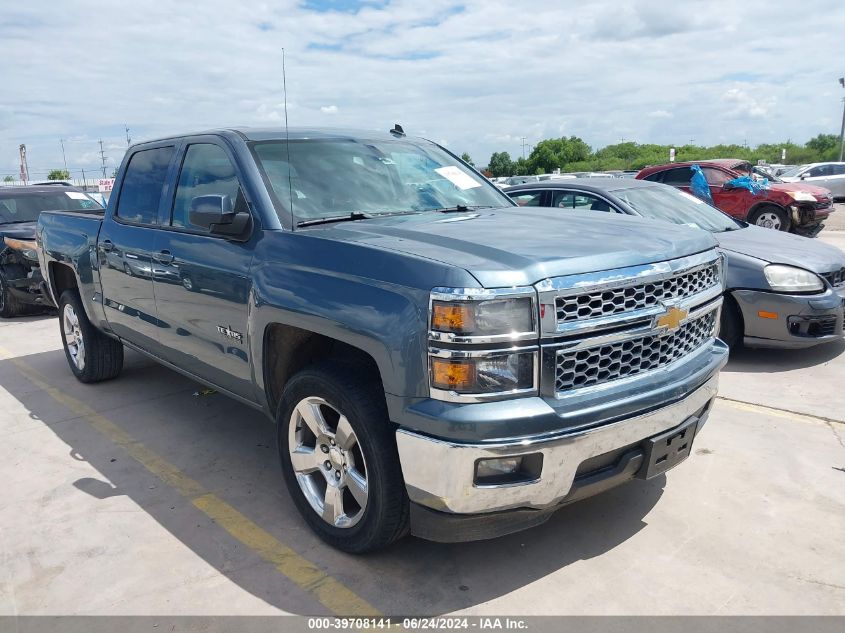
(70, 239)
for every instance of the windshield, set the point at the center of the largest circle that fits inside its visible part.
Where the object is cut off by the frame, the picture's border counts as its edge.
(666, 203)
(793, 171)
(27, 206)
(336, 178)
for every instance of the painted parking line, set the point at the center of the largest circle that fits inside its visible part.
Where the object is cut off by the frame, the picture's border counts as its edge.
(329, 591)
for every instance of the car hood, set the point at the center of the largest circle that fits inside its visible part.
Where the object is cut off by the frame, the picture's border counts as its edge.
(798, 186)
(22, 231)
(519, 246)
(777, 247)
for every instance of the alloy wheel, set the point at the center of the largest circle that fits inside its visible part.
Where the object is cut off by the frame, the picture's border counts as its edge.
(74, 340)
(328, 462)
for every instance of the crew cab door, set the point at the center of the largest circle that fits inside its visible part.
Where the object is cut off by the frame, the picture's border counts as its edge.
(201, 280)
(125, 247)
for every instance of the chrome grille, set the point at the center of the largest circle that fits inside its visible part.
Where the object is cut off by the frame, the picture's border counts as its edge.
(576, 369)
(635, 297)
(836, 278)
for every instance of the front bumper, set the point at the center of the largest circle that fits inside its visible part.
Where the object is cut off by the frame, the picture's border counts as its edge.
(440, 475)
(801, 320)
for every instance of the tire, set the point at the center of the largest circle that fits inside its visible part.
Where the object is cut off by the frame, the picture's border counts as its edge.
(360, 518)
(771, 217)
(731, 325)
(9, 304)
(92, 356)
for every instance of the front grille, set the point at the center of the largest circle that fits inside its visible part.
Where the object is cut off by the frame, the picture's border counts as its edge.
(604, 363)
(635, 297)
(836, 278)
(827, 326)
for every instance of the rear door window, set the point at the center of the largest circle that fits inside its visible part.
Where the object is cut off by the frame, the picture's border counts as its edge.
(677, 177)
(143, 185)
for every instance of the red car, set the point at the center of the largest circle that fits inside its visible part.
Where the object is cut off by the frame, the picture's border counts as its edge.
(793, 206)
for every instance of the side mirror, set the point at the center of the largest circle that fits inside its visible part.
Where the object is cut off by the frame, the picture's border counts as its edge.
(217, 214)
(728, 186)
(804, 175)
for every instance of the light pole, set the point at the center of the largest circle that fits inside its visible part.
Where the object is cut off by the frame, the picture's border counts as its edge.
(842, 129)
(64, 160)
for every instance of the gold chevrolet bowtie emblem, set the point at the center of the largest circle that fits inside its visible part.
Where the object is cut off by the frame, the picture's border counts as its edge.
(672, 319)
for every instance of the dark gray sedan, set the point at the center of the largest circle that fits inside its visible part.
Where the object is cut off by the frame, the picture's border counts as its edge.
(784, 290)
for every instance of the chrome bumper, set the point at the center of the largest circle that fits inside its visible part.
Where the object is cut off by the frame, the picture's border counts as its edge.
(440, 474)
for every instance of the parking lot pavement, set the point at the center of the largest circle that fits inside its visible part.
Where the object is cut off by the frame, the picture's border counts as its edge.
(137, 496)
(836, 221)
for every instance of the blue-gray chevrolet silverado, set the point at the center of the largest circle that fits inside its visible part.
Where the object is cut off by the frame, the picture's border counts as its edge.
(437, 360)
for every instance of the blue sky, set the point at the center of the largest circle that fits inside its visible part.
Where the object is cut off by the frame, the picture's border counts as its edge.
(477, 75)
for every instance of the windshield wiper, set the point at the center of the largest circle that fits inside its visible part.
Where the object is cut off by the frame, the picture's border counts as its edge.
(355, 215)
(462, 208)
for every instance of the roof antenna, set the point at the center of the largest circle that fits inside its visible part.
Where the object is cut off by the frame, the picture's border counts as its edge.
(397, 130)
(287, 143)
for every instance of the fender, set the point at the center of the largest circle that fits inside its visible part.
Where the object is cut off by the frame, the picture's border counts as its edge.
(380, 309)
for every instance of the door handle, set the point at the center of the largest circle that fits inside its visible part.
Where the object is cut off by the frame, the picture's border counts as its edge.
(163, 257)
(107, 245)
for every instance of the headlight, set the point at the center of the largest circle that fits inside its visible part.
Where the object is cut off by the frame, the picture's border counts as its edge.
(27, 248)
(791, 279)
(802, 196)
(466, 318)
(483, 373)
(475, 315)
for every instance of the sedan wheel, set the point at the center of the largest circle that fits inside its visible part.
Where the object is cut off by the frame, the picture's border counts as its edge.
(328, 462)
(769, 220)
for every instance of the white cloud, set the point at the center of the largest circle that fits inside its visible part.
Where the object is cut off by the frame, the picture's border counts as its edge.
(482, 73)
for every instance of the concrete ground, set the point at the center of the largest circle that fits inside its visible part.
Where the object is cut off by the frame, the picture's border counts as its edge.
(836, 221)
(144, 496)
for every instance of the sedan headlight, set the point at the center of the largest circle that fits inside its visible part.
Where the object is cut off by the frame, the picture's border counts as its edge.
(802, 196)
(27, 248)
(792, 279)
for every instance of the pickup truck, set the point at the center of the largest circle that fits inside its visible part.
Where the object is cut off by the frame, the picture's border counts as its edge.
(437, 360)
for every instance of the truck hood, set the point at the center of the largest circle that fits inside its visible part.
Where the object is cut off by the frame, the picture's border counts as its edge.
(520, 246)
(777, 247)
(22, 231)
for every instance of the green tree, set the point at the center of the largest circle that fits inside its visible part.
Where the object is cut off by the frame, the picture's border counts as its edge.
(9, 179)
(467, 159)
(822, 143)
(501, 164)
(59, 174)
(557, 153)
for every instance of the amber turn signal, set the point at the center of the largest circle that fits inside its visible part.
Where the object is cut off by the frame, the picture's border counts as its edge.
(767, 315)
(452, 317)
(452, 375)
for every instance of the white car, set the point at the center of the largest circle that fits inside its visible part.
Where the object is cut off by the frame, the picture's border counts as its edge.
(828, 175)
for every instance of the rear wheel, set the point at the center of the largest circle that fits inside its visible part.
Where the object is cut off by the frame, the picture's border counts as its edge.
(339, 458)
(770, 216)
(92, 355)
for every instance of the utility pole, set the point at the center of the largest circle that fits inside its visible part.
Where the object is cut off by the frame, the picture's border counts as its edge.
(128, 140)
(523, 148)
(83, 181)
(842, 129)
(64, 160)
(103, 158)
(24, 166)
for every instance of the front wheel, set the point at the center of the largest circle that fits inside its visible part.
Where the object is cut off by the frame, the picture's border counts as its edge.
(770, 217)
(339, 458)
(92, 355)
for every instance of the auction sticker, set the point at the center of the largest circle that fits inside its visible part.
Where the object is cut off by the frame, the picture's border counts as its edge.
(457, 177)
(76, 195)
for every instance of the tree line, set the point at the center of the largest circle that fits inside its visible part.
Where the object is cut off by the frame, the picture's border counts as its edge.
(573, 154)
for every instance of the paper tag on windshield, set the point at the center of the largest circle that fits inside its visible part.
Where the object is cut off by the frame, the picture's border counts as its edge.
(76, 195)
(457, 177)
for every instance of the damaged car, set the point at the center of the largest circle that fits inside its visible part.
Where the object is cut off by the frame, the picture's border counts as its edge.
(22, 289)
